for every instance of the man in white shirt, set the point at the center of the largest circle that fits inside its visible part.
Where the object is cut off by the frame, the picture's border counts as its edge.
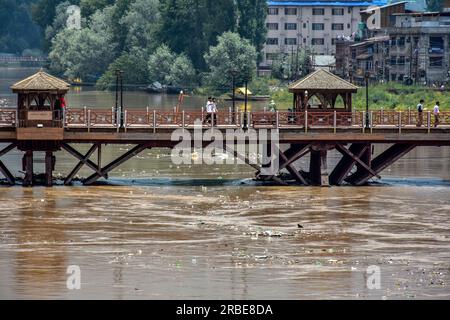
(209, 108)
(436, 114)
(420, 113)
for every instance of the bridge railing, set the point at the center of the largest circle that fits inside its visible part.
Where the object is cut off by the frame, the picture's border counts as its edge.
(153, 119)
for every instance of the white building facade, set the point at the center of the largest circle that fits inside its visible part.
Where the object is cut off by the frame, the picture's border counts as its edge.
(312, 24)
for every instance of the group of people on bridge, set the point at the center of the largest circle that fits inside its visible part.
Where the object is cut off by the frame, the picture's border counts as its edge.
(420, 109)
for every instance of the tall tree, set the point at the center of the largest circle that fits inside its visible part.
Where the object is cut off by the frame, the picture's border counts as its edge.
(232, 54)
(17, 30)
(88, 7)
(191, 26)
(252, 22)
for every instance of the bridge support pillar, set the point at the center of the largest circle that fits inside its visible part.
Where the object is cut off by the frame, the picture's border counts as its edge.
(318, 170)
(49, 167)
(27, 164)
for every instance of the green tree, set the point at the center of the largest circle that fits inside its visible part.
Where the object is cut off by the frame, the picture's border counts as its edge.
(191, 26)
(434, 5)
(182, 72)
(252, 22)
(160, 63)
(17, 30)
(232, 53)
(88, 7)
(169, 68)
(133, 64)
(81, 53)
(140, 21)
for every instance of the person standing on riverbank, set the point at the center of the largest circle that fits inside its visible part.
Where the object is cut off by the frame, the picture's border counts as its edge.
(436, 114)
(420, 113)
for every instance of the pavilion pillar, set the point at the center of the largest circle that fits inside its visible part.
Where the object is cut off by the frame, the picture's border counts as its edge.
(27, 163)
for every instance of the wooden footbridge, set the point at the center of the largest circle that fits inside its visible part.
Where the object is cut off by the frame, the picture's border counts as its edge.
(41, 123)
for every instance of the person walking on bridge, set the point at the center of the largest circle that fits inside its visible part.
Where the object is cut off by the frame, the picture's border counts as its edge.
(436, 114)
(420, 113)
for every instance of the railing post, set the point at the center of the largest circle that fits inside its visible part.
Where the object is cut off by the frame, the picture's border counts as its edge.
(409, 115)
(85, 116)
(306, 121)
(89, 120)
(154, 121)
(371, 121)
(148, 115)
(183, 120)
(363, 118)
(277, 120)
(112, 116)
(17, 118)
(399, 122)
(429, 121)
(334, 121)
(125, 120)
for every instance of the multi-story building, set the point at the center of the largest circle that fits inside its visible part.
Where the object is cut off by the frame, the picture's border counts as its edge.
(314, 24)
(400, 46)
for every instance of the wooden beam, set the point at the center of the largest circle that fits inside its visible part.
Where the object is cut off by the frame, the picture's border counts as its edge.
(292, 170)
(346, 164)
(242, 158)
(381, 162)
(7, 174)
(83, 161)
(343, 150)
(114, 164)
(8, 149)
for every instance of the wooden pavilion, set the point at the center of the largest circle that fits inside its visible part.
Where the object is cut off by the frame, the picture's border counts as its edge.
(40, 105)
(326, 87)
(39, 100)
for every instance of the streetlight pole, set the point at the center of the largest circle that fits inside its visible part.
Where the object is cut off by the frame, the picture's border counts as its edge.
(245, 105)
(366, 76)
(117, 95)
(121, 98)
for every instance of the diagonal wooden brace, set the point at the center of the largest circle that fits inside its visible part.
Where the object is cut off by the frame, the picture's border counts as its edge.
(345, 151)
(83, 160)
(114, 164)
(3, 169)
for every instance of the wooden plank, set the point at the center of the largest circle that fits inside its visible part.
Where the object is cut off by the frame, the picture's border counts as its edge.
(8, 149)
(28, 166)
(292, 170)
(30, 134)
(49, 168)
(114, 164)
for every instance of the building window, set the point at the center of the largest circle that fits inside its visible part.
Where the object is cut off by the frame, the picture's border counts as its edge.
(400, 77)
(272, 41)
(318, 12)
(333, 41)
(317, 41)
(401, 41)
(393, 41)
(290, 41)
(290, 11)
(318, 26)
(349, 10)
(348, 26)
(436, 61)
(337, 26)
(272, 26)
(393, 61)
(273, 12)
(436, 45)
(337, 12)
(290, 26)
(304, 25)
(271, 56)
(304, 40)
(393, 77)
(401, 61)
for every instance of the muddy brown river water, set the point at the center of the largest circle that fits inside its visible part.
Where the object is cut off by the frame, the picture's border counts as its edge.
(158, 231)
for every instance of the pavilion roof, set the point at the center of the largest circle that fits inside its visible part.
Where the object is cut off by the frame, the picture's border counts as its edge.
(41, 81)
(322, 80)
